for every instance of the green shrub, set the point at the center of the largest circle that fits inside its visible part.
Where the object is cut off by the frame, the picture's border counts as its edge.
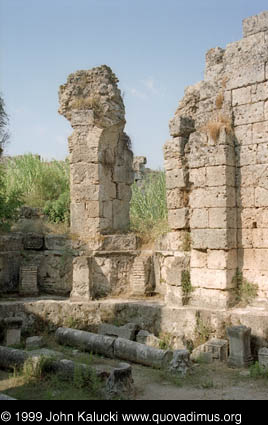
(257, 371)
(59, 209)
(10, 201)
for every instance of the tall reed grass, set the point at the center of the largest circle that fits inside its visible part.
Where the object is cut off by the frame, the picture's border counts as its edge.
(37, 180)
(148, 207)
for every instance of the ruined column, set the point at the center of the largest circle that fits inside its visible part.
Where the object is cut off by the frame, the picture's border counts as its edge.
(100, 154)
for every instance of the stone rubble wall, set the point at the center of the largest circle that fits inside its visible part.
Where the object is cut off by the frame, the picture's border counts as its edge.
(51, 254)
(217, 169)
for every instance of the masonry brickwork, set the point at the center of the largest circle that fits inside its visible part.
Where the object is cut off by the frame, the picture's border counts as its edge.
(217, 169)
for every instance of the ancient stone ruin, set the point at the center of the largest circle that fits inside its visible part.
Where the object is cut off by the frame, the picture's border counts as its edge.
(216, 164)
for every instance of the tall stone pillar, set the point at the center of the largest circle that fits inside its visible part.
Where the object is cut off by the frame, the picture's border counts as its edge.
(100, 154)
(212, 203)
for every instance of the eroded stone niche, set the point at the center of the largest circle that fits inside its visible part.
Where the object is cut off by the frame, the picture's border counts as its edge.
(100, 153)
(217, 170)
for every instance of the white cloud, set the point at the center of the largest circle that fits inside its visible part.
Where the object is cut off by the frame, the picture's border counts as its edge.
(138, 93)
(149, 83)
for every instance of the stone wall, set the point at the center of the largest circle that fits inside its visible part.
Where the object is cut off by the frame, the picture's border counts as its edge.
(51, 254)
(217, 168)
(100, 154)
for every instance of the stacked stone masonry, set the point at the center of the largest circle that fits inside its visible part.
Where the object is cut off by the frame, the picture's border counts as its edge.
(217, 169)
(100, 155)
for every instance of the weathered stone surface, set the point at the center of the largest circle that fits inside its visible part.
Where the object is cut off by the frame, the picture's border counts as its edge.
(127, 331)
(180, 364)
(100, 154)
(99, 344)
(34, 342)
(33, 241)
(119, 242)
(120, 381)
(12, 330)
(145, 337)
(263, 357)
(82, 280)
(28, 280)
(56, 242)
(140, 353)
(142, 279)
(255, 24)
(240, 351)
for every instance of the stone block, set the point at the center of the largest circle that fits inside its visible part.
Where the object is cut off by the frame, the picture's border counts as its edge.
(174, 148)
(212, 278)
(174, 296)
(222, 218)
(180, 364)
(28, 285)
(12, 330)
(197, 177)
(172, 268)
(82, 279)
(11, 242)
(126, 242)
(177, 219)
(173, 241)
(248, 114)
(221, 176)
(263, 357)
(176, 198)
(259, 92)
(127, 331)
(35, 342)
(216, 349)
(255, 24)
(247, 155)
(198, 259)
(260, 132)
(181, 126)
(145, 337)
(120, 215)
(175, 179)
(262, 153)
(262, 217)
(199, 218)
(213, 239)
(221, 260)
(261, 197)
(246, 197)
(239, 343)
(211, 298)
(56, 242)
(243, 134)
(33, 241)
(241, 96)
(260, 238)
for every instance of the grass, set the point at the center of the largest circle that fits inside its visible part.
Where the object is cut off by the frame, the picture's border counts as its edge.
(245, 291)
(38, 180)
(186, 286)
(202, 331)
(148, 207)
(213, 127)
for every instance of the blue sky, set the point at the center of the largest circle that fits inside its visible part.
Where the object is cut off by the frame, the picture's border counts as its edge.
(155, 47)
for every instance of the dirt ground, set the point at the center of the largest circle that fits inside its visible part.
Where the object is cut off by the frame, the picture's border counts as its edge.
(213, 381)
